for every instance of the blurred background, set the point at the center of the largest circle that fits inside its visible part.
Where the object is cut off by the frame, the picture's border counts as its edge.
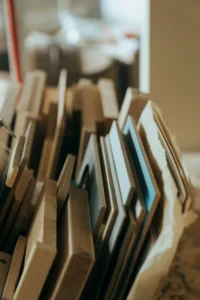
(152, 45)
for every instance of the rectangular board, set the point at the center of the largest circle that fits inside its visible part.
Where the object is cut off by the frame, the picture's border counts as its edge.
(75, 249)
(64, 181)
(124, 172)
(14, 270)
(112, 207)
(133, 104)
(96, 194)
(150, 191)
(100, 269)
(41, 243)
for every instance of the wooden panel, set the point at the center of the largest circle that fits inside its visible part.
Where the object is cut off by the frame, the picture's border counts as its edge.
(16, 202)
(97, 202)
(112, 208)
(133, 104)
(5, 260)
(150, 191)
(60, 127)
(41, 243)
(48, 143)
(107, 248)
(15, 160)
(64, 181)
(9, 198)
(14, 271)
(108, 101)
(23, 218)
(29, 139)
(75, 249)
(124, 173)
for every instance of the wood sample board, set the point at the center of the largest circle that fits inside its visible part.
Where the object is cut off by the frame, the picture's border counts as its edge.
(150, 191)
(96, 194)
(41, 243)
(108, 101)
(75, 249)
(124, 172)
(14, 270)
(64, 181)
(133, 104)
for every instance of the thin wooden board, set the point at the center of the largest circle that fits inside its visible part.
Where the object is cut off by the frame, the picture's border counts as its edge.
(9, 199)
(108, 101)
(64, 181)
(150, 191)
(128, 237)
(176, 156)
(97, 201)
(23, 218)
(76, 250)
(85, 136)
(29, 139)
(15, 159)
(133, 104)
(107, 249)
(124, 172)
(41, 243)
(14, 270)
(16, 202)
(22, 120)
(27, 92)
(9, 104)
(5, 260)
(35, 104)
(91, 115)
(60, 127)
(112, 208)
(48, 143)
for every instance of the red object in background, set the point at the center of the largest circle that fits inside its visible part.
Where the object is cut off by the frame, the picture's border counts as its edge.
(130, 35)
(12, 28)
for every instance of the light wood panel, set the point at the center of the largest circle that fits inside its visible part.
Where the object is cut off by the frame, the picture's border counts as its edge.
(14, 270)
(75, 249)
(41, 245)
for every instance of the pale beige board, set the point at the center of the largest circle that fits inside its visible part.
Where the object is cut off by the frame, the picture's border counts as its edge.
(9, 199)
(75, 249)
(14, 270)
(41, 245)
(85, 136)
(124, 251)
(97, 201)
(22, 120)
(64, 181)
(176, 153)
(16, 202)
(35, 104)
(112, 207)
(108, 101)
(48, 143)
(23, 218)
(92, 119)
(60, 126)
(133, 104)
(124, 172)
(5, 260)
(9, 104)
(27, 92)
(15, 159)
(8, 107)
(29, 139)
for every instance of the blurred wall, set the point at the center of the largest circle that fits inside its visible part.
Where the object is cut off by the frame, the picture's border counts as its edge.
(173, 70)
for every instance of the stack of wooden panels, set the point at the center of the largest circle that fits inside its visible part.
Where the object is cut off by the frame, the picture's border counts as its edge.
(82, 192)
